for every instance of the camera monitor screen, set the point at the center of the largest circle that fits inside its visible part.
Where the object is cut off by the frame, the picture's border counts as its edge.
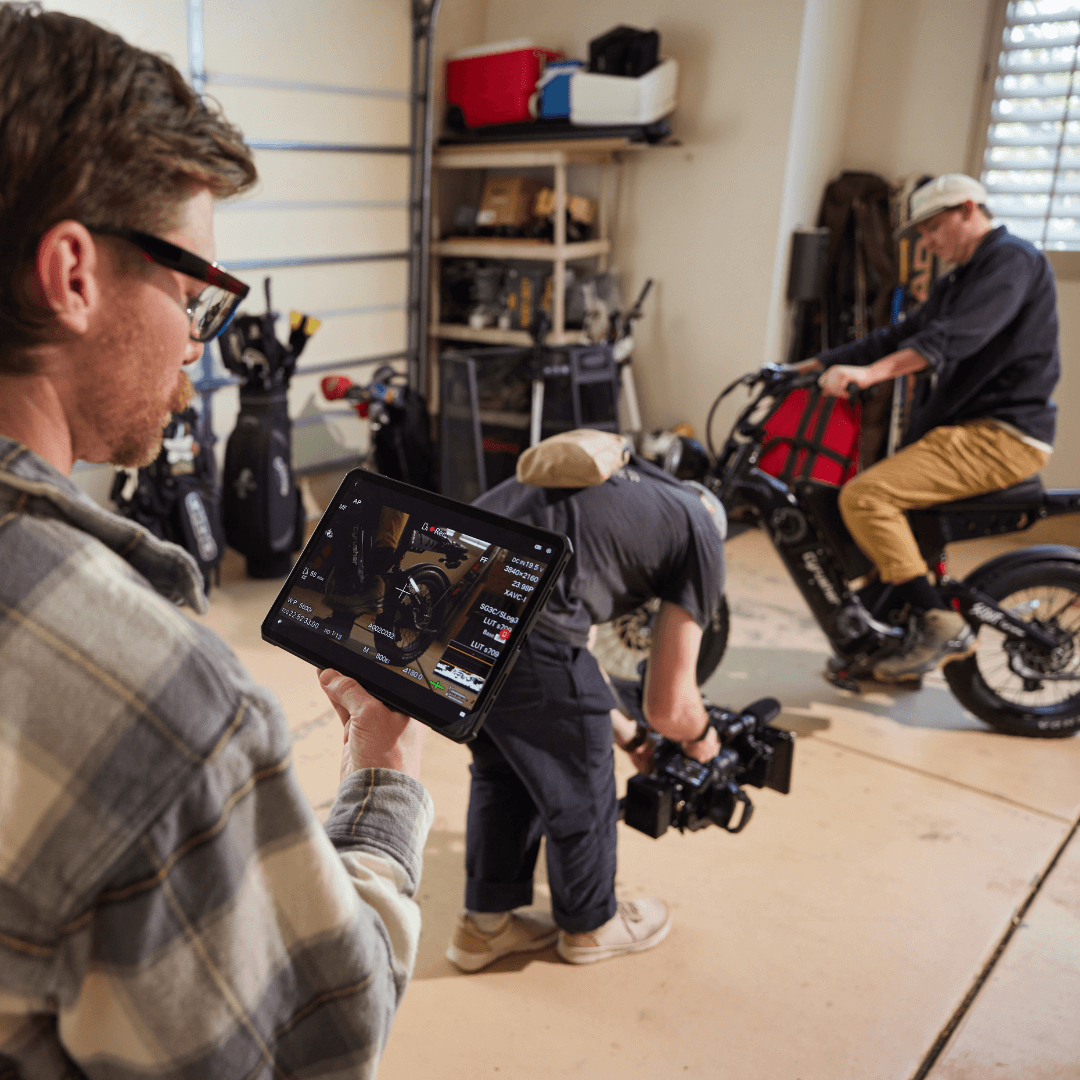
(424, 601)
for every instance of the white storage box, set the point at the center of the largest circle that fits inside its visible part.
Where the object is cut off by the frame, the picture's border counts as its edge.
(616, 99)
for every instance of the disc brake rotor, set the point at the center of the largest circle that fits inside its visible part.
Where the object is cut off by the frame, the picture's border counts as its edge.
(635, 629)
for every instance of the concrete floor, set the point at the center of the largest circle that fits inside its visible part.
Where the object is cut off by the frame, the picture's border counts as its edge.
(838, 938)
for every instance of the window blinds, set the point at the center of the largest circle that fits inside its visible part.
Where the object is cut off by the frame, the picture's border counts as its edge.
(1031, 165)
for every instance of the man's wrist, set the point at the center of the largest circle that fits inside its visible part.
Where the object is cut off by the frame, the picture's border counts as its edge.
(704, 735)
(641, 733)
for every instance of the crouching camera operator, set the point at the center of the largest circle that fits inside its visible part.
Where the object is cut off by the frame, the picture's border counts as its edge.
(543, 763)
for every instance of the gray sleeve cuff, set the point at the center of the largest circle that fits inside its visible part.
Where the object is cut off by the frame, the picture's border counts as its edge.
(384, 812)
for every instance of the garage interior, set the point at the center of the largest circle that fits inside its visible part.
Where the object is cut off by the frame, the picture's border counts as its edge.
(912, 910)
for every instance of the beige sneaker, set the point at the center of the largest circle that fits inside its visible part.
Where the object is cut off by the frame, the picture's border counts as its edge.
(940, 637)
(471, 949)
(636, 926)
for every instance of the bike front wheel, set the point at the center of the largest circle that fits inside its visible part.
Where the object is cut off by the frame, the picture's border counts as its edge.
(621, 645)
(1014, 688)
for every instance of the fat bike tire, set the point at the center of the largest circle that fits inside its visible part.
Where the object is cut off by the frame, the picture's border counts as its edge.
(410, 620)
(1049, 594)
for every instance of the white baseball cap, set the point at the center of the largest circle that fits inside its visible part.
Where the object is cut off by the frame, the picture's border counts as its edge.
(952, 189)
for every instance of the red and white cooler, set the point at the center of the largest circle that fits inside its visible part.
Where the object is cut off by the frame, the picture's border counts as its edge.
(491, 84)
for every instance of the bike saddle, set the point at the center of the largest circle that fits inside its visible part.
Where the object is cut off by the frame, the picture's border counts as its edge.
(1023, 494)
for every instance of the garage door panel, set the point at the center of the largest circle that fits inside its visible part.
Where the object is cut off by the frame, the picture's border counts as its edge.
(358, 42)
(321, 71)
(313, 176)
(159, 26)
(355, 336)
(324, 290)
(309, 234)
(290, 115)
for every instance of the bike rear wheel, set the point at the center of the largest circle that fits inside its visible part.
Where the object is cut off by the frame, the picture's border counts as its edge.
(1043, 700)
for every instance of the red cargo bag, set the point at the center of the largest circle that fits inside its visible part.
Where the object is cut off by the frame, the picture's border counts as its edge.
(809, 436)
(491, 84)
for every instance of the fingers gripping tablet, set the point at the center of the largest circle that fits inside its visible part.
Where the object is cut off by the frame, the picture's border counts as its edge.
(424, 601)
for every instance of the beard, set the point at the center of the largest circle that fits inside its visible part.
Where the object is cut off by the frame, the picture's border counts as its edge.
(140, 440)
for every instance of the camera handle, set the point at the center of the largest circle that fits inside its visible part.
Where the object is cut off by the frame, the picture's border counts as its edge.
(739, 796)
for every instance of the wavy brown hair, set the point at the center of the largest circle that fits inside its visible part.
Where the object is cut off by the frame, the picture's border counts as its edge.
(95, 130)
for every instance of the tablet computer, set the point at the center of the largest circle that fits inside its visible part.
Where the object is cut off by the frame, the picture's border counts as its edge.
(426, 602)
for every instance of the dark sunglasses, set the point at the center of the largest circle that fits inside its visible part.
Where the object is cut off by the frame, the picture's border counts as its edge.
(212, 310)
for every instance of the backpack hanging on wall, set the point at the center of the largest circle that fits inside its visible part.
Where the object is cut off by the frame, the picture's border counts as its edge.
(262, 509)
(176, 496)
(860, 280)
(861, 271)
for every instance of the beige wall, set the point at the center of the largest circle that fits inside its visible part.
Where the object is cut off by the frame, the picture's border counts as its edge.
(815, 144)
(916, 76)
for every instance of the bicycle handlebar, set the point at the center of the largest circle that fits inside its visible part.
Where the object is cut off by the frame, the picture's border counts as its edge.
(776, 378)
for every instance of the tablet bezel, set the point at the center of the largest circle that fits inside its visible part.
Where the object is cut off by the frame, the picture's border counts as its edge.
(387, 685)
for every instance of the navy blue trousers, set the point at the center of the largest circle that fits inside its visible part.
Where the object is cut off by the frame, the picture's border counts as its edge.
(543, 766)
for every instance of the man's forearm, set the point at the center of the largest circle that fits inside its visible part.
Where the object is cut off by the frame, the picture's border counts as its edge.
(901, 362)
(681, 719)
(838, 378)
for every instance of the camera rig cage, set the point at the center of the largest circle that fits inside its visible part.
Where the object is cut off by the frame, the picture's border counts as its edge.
(690, 794)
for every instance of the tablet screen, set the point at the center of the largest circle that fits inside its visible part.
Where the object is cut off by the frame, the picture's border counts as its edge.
(415, 596)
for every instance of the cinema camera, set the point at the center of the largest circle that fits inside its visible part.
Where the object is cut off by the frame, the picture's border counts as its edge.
(690, 794)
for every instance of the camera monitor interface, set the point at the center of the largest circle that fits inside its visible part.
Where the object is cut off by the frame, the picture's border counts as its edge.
(424, 601)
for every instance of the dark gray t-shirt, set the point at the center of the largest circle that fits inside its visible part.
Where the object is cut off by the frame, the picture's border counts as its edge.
(639, 535)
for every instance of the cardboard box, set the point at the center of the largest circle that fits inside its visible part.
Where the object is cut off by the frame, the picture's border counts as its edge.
(582, 209)
(507, 201)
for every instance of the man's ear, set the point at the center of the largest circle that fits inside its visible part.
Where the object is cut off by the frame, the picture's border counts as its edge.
(67, 276)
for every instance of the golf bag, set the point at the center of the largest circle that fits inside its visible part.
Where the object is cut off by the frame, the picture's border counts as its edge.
(176, 496)
(262, 510)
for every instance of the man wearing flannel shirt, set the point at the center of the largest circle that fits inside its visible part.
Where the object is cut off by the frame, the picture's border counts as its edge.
(169, 904)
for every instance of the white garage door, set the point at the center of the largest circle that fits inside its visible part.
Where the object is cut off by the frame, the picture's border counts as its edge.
(321, 91)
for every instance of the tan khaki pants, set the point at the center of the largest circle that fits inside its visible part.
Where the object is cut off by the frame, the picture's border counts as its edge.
(945, 464)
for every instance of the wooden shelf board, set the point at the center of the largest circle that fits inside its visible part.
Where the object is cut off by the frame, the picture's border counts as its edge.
(530, 154)
(492, 247)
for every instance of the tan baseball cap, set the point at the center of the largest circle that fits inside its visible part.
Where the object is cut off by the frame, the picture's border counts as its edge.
(952, 189)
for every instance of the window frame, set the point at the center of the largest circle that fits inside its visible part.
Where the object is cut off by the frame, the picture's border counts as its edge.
(1066, 264)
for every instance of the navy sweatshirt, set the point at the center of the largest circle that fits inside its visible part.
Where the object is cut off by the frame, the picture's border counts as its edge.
(989, 333)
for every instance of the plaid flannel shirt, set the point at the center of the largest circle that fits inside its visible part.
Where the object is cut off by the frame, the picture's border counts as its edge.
(169, 904)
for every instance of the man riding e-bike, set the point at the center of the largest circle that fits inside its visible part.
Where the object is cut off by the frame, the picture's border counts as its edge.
(988, 336)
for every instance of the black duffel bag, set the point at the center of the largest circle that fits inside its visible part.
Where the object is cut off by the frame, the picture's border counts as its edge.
(176, 496)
